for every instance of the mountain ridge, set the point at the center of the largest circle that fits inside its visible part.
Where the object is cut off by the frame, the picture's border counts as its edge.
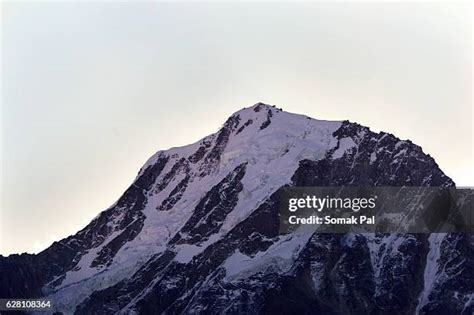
(193, 211)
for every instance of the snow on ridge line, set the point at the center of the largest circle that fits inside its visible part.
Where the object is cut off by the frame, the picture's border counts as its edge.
(245, 114)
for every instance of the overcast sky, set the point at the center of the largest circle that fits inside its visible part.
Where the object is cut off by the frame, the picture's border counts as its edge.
(91, 90)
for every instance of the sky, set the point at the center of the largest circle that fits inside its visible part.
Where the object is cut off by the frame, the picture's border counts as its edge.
(90, 90)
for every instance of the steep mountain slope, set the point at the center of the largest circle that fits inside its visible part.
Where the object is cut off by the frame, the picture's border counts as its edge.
(198, 232)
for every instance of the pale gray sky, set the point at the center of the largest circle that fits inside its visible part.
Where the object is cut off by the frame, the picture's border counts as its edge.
(91, 90)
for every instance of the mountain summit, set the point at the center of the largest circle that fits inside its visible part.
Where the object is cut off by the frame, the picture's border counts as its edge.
(198, 232)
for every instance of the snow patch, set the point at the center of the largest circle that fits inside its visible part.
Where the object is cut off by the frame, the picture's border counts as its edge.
(345, 144)
(431, 268)
(279, 257)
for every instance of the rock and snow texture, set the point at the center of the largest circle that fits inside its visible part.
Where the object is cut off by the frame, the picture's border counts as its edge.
(198, 232)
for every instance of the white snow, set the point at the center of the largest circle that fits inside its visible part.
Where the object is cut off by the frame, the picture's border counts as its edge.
(373, 157)
(279, 257)
(186, 252)
(344, 145)
(431, 268)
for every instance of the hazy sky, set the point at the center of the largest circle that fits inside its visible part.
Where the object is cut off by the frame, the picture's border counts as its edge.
(91, 90)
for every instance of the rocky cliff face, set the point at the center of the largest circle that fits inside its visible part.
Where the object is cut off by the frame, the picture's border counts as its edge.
(198, 232)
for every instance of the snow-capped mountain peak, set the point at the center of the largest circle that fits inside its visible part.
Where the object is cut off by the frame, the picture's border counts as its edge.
(198, 228)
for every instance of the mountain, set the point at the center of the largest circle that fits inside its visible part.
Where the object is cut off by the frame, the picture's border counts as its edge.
(197, 232)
